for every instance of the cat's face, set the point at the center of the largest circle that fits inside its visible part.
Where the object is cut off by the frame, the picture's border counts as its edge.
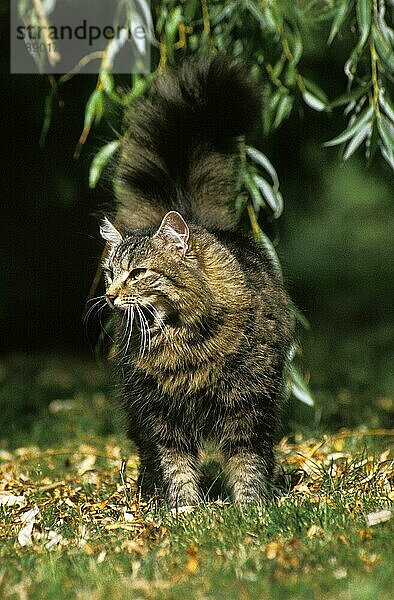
(155, 280)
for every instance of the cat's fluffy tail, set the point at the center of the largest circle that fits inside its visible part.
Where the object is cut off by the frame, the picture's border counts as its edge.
(181, 146)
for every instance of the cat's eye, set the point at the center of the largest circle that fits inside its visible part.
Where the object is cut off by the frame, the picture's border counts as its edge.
(137, 274)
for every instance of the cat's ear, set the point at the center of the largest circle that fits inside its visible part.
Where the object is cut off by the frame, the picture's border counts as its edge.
(174, 232)
(109, 232)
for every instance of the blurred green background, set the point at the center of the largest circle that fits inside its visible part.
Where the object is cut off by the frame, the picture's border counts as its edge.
(334, 239)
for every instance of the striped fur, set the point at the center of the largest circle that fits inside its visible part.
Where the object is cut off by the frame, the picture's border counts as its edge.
(204, 325)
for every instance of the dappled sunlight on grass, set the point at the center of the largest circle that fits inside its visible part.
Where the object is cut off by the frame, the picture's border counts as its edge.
(73, 525)
(69, 507)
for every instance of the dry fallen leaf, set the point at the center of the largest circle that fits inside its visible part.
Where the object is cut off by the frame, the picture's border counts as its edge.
(12, 500)
(54, 540)
(28, 518)
(271, 550)
(133, 546)
(24, 535)
(314, 530)
(370, 560)
(192, 560)
(364, 534)
(185, 510)
(5, 455)
(30, 515)
(340, 573)
(86, 464)
(128, 516)
(57, 406)
(380, 516)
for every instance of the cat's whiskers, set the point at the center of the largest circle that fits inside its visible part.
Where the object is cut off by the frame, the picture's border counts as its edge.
(155, 314)
(98, 306)
(146, 337)
(145, 330)
(124, 331)
(99, 314)
(142, 329)
(129, 326)
(95, 298)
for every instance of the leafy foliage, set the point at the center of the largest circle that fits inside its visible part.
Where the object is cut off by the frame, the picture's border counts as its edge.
(271, 37)
(369, 69)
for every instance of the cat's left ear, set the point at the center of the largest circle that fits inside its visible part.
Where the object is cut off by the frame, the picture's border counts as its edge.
(174, 232)
(109, 232)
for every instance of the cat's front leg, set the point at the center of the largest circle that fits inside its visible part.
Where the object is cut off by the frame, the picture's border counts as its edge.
(249, 474)
(150, 479)
(180, 476)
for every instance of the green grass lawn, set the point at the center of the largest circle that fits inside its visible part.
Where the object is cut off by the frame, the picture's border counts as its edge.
(72, 527)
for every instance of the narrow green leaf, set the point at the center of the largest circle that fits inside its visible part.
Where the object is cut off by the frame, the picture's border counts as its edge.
(139, 86)
(386, 31)
(100, 160)
(285, 106)
(313, 102)
(270, 19)
(296, 48)
(107, 81)
(314, 89)
(278, 67)
(271, 252)
(352, 96)
(253, 190)
(388, 156)
(171, 28)
(364, 14)
(146, 14)
(384, 49)
(117, 43)
(291, 75)
(258, 15)
(263, 161)
(386, 131)
(301, 318)
(264, 241)
(270, 108)
(357, 141)
(386, 105)
(48, 110)
(94, 108)
(372, 142)
(340, 16)
(357, 125)
(273, 197)
(192, 6)
(298, 386)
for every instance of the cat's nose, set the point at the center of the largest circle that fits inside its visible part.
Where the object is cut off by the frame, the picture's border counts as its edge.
(111, 299)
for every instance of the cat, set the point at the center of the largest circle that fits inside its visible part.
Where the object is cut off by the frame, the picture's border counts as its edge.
(204, 325)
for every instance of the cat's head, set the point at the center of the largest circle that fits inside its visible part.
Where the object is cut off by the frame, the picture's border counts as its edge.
(156, 275)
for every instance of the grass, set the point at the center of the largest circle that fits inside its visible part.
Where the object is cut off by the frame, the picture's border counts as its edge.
(90, 535)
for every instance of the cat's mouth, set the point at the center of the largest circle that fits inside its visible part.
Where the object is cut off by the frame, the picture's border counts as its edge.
(144, 316)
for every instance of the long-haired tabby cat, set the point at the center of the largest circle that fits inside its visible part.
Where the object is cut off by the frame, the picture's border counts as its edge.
(203, 322)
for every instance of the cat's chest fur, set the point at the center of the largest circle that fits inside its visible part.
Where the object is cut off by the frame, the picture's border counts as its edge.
(184, 363)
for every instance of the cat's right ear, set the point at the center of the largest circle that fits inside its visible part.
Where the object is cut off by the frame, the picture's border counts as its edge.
(109, 232)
